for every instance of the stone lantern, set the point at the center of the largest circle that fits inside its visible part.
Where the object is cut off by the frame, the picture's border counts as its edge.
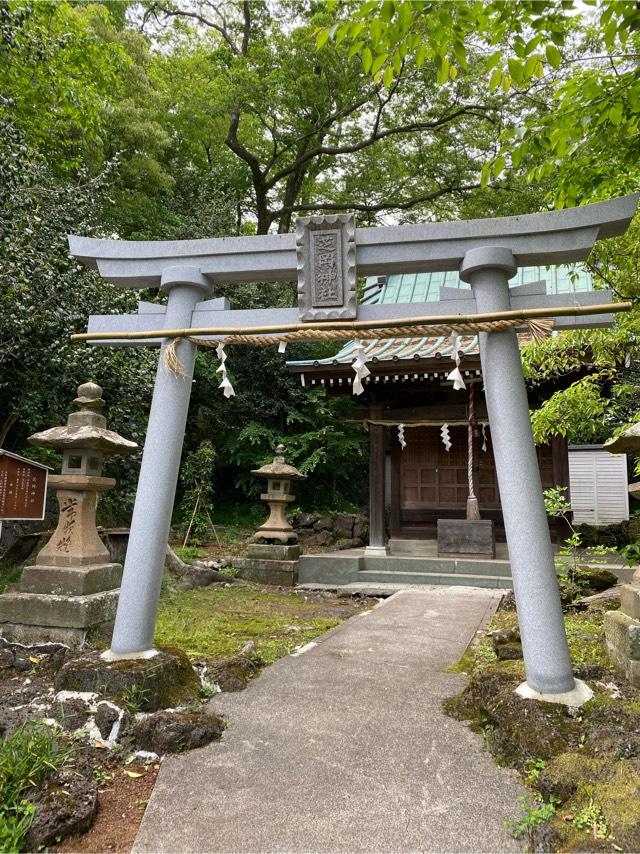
(622, 627)
(279, 475)
(73, 586)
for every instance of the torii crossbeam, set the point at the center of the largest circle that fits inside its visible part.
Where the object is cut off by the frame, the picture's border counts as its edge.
(324, 257)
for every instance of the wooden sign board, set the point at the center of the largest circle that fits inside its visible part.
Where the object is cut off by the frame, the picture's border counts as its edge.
(23, 487)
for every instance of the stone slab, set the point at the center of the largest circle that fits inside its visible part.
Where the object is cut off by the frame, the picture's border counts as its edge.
(408, 563)
(345, 748)
(353, 566)
(622, 635)
(454, 579)
(482, 566)
(329, 568)
(401, 546)
(31, 635)
(630, 601)
(69, 612)
(268, 551)
(283, 573)
(466, 537)
(68, 581)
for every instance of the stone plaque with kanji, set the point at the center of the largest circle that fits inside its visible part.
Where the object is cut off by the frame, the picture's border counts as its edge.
(23, 487)
(326, 255)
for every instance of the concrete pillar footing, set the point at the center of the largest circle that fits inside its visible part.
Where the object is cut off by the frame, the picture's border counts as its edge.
(375, 551)
(580, 694)
(109, 655)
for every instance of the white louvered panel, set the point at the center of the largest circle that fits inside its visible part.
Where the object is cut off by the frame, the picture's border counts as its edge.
(582, 487)
(599, 490)
(611, 488)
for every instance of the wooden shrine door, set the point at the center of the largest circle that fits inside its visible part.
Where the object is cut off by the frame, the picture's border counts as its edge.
(432, 483)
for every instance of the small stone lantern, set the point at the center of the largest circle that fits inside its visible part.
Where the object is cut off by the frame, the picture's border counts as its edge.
(279, 476)
(73, 587)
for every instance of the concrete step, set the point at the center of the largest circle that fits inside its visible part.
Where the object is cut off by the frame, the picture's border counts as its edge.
(458, 579)
(438, 566)
(402, 547)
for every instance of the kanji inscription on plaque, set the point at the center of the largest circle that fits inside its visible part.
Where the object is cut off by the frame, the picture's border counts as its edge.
(326, 253)
(23, 487)
(326, 268)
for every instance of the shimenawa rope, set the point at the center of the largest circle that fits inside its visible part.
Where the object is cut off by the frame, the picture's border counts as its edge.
(539, 329)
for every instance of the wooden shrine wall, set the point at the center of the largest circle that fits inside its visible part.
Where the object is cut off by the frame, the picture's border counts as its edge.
(428, 482)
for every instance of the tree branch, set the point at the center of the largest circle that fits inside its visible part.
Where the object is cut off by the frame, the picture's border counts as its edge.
(335, 151)
(344, 113)
(246, 30)
(378, 206)
(196, 16)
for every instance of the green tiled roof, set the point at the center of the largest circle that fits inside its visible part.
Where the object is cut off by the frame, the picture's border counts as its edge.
(425, 287)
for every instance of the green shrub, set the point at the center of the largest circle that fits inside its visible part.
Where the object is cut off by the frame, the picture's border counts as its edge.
(26, 757)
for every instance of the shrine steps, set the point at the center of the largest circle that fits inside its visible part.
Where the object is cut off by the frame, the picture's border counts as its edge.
(451, 579)
(354, 567)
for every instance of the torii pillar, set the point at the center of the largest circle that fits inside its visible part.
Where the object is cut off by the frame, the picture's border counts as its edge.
(141, 581)
(544, 641)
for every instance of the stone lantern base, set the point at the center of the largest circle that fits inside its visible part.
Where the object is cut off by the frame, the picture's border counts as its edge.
(61, 604)
(46, 618)
(268, 563)
(622, 633)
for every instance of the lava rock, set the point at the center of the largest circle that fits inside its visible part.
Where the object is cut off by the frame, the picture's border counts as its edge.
(305, 520)
(201, 577)
(322, 538)
(506, 644)
(343, 526)
(593, 579)
(106, 715)
(164, 681)
(324, 523)
(66, 805)
(176, 731)
(7, 658)
(22, 663)
(232, 674)
(11, 719)
(351, 543)
(509, 652)
(361, 528)
(71, 713)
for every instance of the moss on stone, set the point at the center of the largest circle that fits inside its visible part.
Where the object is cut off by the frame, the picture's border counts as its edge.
(605, 786)
(140, 684)
(589, 758)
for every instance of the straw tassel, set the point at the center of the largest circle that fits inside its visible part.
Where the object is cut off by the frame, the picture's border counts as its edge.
(171, 359)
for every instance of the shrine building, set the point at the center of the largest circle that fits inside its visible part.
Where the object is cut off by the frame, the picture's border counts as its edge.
(419, 425)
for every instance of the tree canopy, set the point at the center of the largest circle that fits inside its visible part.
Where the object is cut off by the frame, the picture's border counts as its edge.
(194, 118)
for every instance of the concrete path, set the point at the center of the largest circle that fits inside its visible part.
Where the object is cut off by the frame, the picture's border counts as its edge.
(344, 748)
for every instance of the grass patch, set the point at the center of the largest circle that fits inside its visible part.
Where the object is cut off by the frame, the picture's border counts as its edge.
(213, 622)
(9, 574)
(26, 758)
(187, 553)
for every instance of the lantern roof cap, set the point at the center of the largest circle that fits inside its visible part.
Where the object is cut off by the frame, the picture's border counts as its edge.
(85, 429)
(279, 468)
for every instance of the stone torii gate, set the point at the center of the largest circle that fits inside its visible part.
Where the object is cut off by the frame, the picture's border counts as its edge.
(324, 257)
